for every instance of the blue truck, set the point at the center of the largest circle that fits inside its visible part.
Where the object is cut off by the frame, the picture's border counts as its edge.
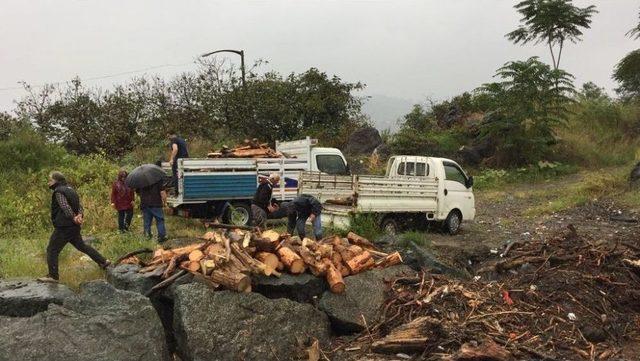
(224, 187)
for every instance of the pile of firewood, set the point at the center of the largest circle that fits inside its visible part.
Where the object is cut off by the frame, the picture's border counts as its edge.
(227, 259)
(248, 149)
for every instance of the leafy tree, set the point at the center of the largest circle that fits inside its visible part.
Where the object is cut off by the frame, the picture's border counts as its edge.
(635, 32)
(627, 73)
(591, 91)
(528, 103)
(552, 22)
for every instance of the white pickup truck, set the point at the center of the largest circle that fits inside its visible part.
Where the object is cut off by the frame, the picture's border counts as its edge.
(417, 188)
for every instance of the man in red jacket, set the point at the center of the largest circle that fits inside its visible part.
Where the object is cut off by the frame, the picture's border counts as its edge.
(122, 199)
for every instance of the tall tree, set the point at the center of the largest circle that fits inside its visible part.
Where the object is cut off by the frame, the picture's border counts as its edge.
(635, 32)
(552, 22)
(528, 102)
(627, 73)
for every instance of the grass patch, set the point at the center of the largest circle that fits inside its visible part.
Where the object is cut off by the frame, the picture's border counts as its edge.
(419, 238)
(495, 179)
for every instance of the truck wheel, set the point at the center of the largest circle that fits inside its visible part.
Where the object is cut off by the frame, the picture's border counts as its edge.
(389, 226)
(240, 214)
(453, 221)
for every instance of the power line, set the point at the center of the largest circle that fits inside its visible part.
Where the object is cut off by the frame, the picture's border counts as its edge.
(103, 76)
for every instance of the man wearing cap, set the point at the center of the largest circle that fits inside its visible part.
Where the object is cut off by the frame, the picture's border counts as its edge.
(67, 216)
(261, 205)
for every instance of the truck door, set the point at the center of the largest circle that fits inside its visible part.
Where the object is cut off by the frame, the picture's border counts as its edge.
(456, 193)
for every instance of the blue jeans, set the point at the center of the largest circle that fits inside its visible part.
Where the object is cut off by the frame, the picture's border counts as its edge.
(148, 214)
(298, 221)
(124, 219)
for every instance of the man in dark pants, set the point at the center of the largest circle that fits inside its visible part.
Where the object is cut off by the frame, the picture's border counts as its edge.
(67, 217)
(299, 210)
(152, 200)
(178, 150)
(261, 204)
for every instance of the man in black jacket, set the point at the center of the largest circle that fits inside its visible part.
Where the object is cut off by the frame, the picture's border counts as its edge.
(299, 210)
(261, 205)
(67, 216)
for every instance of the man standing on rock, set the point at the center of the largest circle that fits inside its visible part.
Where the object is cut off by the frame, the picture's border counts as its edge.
(67, 216)
(261, 204)
(299, 210)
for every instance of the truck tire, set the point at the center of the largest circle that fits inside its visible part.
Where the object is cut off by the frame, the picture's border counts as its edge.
(240, 214)
(389, 226)
(453, 222)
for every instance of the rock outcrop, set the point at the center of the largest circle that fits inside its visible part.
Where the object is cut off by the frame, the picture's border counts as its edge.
(226, 325)
(25, 297)
(99, 324)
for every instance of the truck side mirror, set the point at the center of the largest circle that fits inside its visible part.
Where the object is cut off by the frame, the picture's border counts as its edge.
(469, 182)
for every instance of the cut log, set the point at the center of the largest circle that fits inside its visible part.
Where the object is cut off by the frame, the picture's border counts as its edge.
(194, 266)
(249, 262)
(232, 280)
(196, 255)
(360, 262)
(360, 241)
(207, 265)
(410, 337)
(270, 259)
(173, 263)
(336, 259)
(334, 279)
(280, 267)
(391, 260)
(291, 260)
(316, 267)
(187, 249)
(270, 235)
(325, 250)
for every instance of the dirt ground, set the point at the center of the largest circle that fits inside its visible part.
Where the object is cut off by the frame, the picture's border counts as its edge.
(513, 214)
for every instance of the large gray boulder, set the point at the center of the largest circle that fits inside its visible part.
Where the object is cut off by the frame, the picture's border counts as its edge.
(25, 298)
(99, 324)
(363, 141)
(299, 288)
(126, 277)
(364, 296)
(226, 325)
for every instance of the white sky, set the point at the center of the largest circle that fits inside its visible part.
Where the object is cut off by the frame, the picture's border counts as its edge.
(399, 48)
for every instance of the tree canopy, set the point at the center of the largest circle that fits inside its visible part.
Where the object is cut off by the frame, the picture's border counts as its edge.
(552, 22)
(627, 73)
(527, 103)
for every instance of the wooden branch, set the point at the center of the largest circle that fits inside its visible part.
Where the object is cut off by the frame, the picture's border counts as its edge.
(134, 253)
(360, 241)
(166, 282)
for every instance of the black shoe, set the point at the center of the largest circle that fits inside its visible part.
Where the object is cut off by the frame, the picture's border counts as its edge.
(162, 239)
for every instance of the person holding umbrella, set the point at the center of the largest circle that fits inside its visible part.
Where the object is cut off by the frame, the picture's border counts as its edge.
(122, 198)
(147, 180)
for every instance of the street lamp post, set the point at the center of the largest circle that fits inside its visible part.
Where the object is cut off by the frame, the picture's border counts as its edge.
(239, 52)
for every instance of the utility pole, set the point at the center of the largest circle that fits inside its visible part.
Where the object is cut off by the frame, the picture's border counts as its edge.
(239, 52)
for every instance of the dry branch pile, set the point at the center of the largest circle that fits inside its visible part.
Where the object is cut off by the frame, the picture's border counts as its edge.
(248, 149)
(565, 298)
(227, 259)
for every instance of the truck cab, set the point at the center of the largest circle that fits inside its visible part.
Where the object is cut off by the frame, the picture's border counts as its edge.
(319, 159)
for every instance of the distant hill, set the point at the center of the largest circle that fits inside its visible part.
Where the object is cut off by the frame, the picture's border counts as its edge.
(385, 111)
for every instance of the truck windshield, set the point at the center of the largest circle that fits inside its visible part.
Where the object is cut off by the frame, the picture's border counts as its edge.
(331, 164)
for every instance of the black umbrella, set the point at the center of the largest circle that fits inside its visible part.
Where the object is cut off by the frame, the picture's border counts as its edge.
(144, 176)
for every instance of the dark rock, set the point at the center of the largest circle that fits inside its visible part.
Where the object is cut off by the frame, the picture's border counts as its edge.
(364, 297)
(299, 288)
(363, 141)
(126, 277)
(99, 324)
(428, 260)
(477, 152)
(25, 298)
(226, 325)
(383, 151)
(594, 334)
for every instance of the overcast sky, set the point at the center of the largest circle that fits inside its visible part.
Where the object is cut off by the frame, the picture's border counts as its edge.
(399, 48)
